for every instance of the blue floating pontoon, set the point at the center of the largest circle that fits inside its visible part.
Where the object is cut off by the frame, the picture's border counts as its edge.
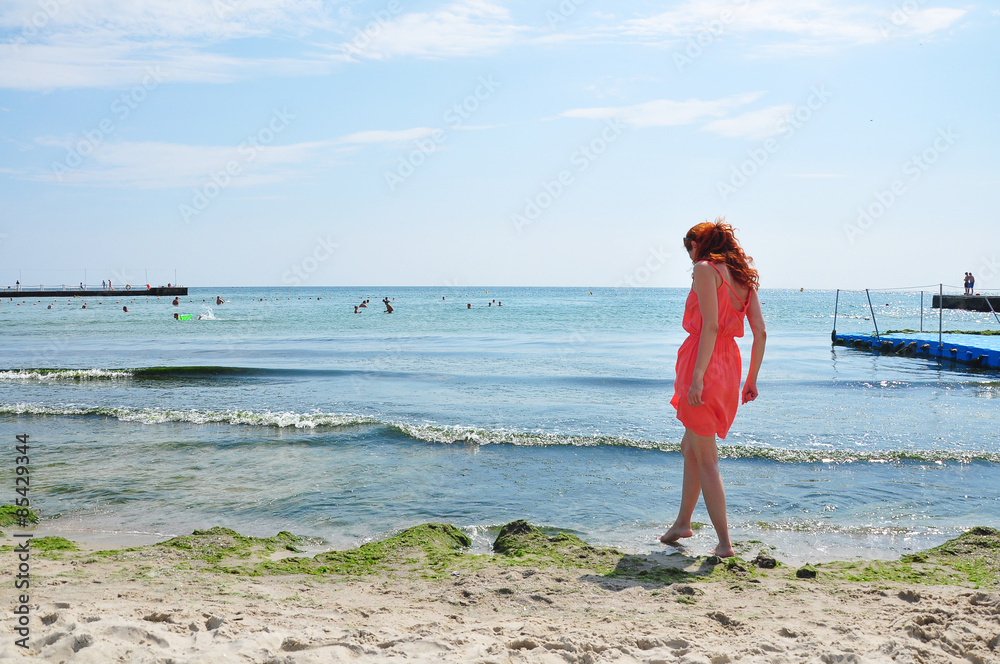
(971, 355)
(974, 356)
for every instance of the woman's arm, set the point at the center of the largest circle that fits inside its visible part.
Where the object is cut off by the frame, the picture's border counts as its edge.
(756, 319)
(706, 288)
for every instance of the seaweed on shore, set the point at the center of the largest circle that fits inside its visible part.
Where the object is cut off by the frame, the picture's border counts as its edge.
(523, 542)
(971, 559)
(217, 544)
(433, 550)
(8, 515)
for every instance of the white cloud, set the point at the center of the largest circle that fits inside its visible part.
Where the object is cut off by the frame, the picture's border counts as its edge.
(464, 28)
(817, 175)
(384, 136)
(753, 124)
(157, 165)
(162, 19)
(931, 20)
(665, 112)
(110, 43)
(786, 27)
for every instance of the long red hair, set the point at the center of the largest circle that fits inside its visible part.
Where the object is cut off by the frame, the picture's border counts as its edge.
(717, 243)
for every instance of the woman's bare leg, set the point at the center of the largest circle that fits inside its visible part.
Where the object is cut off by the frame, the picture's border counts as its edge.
(690, 491)
(707, 455)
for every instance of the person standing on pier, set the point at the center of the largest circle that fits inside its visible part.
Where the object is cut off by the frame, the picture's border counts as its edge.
(707, 384)
(972, 284)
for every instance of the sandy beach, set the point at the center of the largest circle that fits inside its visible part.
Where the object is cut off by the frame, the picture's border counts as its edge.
(219, 597)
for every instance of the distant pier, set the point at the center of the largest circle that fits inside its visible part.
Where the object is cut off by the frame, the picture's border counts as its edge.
(102, 292)
(970, 355)
(968, 302)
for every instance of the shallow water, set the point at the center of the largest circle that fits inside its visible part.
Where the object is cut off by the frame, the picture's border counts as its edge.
(553, 407)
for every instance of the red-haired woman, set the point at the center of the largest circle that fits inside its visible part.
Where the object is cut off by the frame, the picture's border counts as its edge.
(707, 386)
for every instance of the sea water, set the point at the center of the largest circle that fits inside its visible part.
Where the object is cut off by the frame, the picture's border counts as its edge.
(281, 409)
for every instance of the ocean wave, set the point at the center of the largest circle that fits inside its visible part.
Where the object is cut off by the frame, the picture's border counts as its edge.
(267, 418)
(471, 436)
(53, 375)
(165, 374)
(146, 373)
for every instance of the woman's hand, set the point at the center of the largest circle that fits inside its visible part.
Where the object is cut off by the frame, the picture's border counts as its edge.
(694, 392)
(749, 391)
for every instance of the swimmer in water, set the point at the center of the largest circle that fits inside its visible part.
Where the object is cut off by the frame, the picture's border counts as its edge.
(177, 316)
(125, 309)
(356, 309)
(388, 307)
(218, 300)
(176, 302)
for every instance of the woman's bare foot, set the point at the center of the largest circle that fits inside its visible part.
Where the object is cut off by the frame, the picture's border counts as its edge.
(724, 551)
(675, 534)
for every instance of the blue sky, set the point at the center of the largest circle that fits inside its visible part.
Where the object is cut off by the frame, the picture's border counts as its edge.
(477, 142)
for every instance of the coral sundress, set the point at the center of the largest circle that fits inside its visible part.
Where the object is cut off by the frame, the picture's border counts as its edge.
(721, 393)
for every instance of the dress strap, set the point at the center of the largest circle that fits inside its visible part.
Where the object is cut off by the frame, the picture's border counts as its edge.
(746, 302)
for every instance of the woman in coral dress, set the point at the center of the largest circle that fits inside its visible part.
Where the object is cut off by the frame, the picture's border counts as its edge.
(707, 386)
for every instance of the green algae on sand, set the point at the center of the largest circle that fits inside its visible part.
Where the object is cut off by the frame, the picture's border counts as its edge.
(433, 550)
(217, 544)
(528, 544)
(8, 515)
(971, 559)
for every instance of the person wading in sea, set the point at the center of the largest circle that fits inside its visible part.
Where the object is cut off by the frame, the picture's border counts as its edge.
(707, 386)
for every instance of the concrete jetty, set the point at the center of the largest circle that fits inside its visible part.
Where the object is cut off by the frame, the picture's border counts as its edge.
(968, 302)
(40, 294)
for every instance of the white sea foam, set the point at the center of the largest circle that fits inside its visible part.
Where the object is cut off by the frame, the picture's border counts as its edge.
(54, 375)
(279, 419)
(460, 435)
